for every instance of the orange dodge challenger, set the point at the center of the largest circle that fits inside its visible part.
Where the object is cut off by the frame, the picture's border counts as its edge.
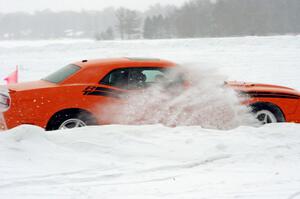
(67, 98)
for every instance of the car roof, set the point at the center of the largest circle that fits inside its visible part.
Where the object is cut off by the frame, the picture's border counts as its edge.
(94, 70)
(125, 62)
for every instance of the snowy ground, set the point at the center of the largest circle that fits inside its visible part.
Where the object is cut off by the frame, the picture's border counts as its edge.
(151, 162)
(138, 162)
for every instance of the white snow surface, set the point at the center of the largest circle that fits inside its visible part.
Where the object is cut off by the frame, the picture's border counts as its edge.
(151, 162)
(155, 161)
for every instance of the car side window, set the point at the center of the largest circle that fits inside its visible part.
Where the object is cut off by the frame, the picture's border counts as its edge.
(117, 78)
(153, 75)
(134, 78)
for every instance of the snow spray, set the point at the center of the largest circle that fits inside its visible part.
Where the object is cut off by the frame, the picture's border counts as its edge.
(205, 102)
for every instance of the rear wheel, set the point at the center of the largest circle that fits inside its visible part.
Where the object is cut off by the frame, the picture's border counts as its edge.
(69, 119)
(267, 113)
(72, 123)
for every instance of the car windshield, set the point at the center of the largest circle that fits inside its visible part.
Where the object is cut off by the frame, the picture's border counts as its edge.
(62, 73)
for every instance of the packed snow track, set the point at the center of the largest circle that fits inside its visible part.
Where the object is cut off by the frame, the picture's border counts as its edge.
(151, 162)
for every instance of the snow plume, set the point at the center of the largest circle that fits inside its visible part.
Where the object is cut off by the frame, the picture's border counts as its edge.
(205, 102)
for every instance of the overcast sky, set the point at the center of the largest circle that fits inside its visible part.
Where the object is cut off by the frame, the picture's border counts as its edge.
(56, 5)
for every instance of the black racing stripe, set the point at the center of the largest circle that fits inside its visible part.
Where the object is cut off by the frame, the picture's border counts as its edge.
(109, 90)
(275, 96)
(103, 91)
(278, 95)
(271, 95)
(106, 94)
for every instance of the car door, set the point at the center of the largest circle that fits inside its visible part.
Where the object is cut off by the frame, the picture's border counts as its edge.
(119, 84)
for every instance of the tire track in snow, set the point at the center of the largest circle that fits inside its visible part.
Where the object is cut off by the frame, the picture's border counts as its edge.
(70, 177)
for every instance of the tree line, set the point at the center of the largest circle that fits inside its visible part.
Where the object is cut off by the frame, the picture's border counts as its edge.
(47, 24)
(195, 18)
(221, 18)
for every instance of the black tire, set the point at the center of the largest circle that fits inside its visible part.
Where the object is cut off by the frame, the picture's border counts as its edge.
(59, 118)
(268, 107)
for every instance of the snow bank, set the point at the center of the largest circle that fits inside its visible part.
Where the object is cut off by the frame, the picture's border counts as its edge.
(151, 162)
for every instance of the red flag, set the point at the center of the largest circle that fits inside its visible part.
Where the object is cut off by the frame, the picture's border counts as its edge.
(13, 77)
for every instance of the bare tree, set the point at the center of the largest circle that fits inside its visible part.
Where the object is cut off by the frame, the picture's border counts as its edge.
(108, 34)
(129, 23)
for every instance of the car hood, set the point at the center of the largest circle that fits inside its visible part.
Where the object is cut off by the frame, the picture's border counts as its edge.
(30, 85)
(249, 87)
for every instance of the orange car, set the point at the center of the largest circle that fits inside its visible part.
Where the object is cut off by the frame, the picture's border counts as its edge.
(67, 98)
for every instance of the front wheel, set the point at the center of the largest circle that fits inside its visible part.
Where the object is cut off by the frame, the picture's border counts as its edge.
(267, 113)
(265, 117)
